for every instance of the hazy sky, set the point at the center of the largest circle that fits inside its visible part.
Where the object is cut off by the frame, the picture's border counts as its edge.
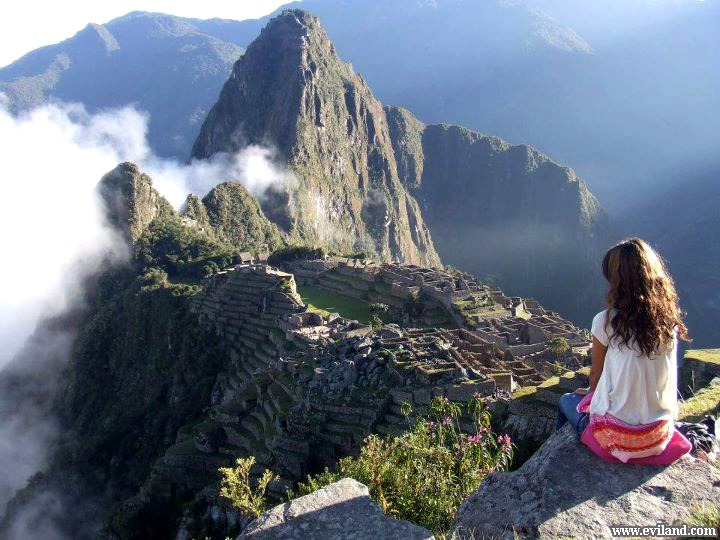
(28, 25)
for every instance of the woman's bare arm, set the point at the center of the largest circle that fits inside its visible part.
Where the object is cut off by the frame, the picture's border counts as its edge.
(596, 368)
(598, 362)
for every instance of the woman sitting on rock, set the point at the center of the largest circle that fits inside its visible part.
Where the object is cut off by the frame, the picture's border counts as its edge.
(630, 406)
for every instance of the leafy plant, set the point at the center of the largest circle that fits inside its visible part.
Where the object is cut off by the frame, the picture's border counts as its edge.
(705, 515)
(559, 346)
(423, 475)
(294, 253)
(180, 250)
(236, 487)
(377, 310)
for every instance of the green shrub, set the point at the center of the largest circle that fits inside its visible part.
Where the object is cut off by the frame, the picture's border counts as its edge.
(423, 475)
(294, 253)
(704, 515)
(377, 311)
(236, 487)
(559, 346)
(180, 250)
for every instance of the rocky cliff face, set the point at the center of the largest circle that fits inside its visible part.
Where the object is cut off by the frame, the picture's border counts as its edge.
(291, 90)
(130, 200)
(506, 213)
(500, 211)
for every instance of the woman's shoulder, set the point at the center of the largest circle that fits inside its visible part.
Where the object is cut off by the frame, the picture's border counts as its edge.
(600, 318)
(599, 327)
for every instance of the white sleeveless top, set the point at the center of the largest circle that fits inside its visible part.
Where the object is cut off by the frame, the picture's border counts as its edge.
(633, 387)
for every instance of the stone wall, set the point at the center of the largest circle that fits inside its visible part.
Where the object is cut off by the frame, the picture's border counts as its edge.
(302, 389)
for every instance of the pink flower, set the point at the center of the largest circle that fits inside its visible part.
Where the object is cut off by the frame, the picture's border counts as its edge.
(446, 421)
(431, 425)
(475, 439)
(477, 395)
(505, 440)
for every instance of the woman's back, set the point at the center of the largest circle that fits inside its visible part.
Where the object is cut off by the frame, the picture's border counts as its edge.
(634, 387)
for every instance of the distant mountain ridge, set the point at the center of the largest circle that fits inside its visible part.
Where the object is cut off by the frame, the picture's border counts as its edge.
(602, 86)
(505, 212)
(144, 58)
(169, 66)
(379, 175)
(683, 223)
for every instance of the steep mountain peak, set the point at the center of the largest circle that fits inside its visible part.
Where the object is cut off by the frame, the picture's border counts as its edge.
(291, 51)
(290, 90)
(237, 218)
(131, 202)
(94, 32)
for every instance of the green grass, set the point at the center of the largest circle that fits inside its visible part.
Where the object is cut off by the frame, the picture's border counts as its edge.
(704, 355)
(704, 515)
(705, 401)
(323, 301)
(524, 391)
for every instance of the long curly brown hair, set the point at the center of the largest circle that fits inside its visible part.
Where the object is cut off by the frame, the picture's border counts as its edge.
(643, 296)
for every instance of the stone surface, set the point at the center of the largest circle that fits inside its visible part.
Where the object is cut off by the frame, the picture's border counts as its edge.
(564, 490)
(342, 510)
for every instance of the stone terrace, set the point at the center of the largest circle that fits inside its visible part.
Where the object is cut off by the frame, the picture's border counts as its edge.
(432, 297)
(301, 389)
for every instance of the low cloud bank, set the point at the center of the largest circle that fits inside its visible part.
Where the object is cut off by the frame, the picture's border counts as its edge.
(54, 236)
(53, 157)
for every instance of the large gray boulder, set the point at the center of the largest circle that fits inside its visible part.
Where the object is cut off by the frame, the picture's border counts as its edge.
(342, 510)
(564, 490)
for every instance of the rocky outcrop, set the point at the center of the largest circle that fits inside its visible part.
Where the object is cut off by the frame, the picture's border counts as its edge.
(228, 214)
(340, 510)
(130, 200)
(237, 218)
(564, 490)
(291, 90)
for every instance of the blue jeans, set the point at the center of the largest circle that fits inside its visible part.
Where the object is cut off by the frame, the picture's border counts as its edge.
(567, 412)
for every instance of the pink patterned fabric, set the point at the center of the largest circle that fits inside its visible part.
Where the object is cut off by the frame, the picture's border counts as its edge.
(651, 444)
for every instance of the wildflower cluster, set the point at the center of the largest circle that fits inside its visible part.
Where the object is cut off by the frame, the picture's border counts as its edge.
(424, 474)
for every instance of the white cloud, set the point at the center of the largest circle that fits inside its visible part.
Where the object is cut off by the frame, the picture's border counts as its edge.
(54, 235)
(51, 218)
(53, 157)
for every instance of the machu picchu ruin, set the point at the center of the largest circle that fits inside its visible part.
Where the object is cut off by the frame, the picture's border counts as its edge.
(301, 388)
